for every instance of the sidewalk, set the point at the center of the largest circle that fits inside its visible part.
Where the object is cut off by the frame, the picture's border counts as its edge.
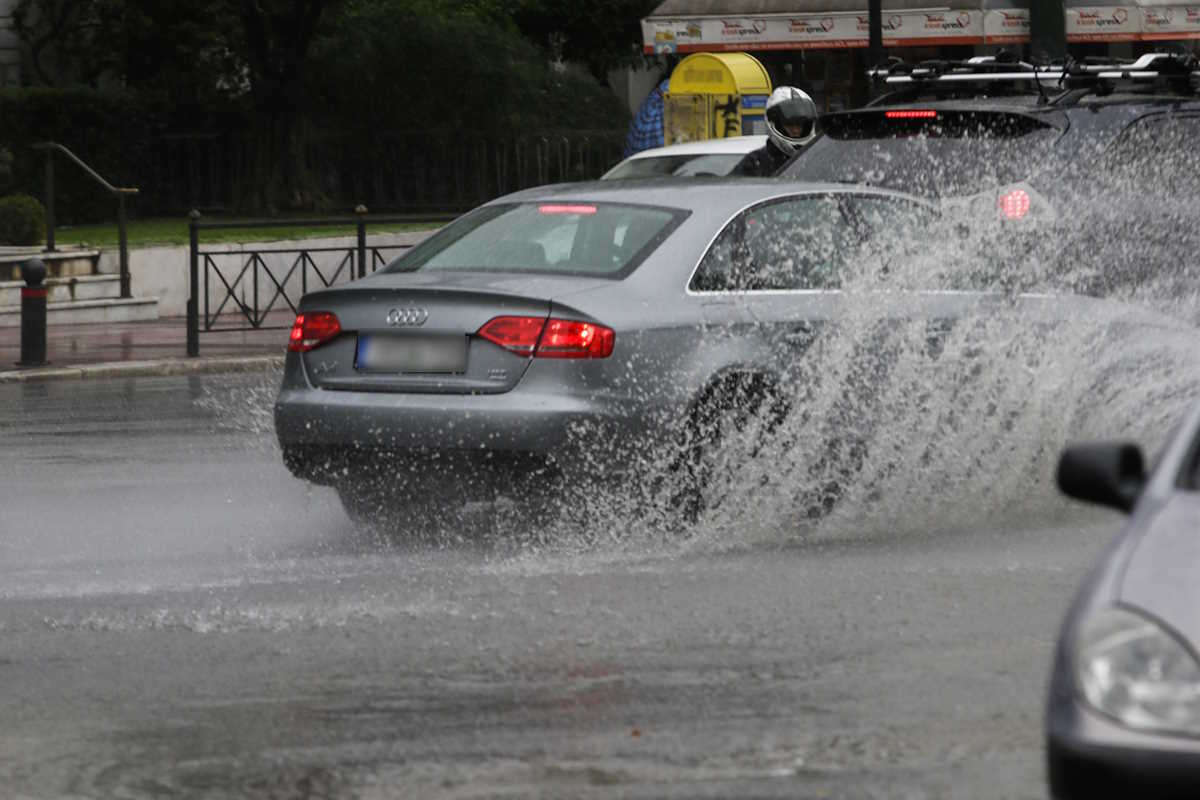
(130, 349)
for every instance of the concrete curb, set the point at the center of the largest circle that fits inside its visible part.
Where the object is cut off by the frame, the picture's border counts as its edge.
(140, 369)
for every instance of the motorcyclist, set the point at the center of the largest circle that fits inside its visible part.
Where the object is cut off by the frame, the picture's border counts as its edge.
(791, 126)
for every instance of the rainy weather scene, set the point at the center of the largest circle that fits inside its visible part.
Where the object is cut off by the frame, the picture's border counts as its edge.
(467, 399)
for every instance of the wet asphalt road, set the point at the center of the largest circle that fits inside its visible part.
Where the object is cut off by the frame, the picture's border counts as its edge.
(180, 618)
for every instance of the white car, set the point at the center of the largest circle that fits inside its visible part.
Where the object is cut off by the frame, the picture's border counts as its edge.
(709, 157)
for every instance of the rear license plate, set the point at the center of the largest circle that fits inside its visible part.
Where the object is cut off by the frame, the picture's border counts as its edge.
(435, 354)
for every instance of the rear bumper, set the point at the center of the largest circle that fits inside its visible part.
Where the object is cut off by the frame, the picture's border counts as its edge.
(514, 421)
(326, 433)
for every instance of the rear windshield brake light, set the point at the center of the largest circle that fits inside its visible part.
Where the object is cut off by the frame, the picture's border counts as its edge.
(569, 208)
(915, 113)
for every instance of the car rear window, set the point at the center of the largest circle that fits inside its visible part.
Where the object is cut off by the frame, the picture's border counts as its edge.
(676, 166)
(927, 152)
(555, 237)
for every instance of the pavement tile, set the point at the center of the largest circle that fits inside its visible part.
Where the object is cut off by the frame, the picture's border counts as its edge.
(156, 347)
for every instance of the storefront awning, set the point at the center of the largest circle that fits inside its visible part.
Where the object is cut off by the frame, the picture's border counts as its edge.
(686, 26)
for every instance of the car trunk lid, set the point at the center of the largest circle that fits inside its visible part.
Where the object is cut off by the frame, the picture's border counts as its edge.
(418, 333)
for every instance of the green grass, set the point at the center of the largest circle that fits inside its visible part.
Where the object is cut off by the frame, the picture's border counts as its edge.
(150, 232)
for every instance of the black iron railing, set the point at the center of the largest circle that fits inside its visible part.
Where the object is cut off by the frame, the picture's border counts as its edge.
(236, 290)
(396, 171)
(120, 193)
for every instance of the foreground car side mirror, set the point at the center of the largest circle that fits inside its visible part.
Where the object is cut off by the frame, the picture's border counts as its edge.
(1109, 474)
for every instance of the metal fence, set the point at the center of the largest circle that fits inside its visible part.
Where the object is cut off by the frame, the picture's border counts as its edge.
(236, 290)
(392, 171)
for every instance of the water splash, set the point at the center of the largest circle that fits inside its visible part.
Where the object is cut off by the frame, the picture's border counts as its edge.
(1069, 325)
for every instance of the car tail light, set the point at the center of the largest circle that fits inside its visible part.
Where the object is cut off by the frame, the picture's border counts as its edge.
(313, 329)
(518, 334)
(549, 338)
(912, 113)
(567, 339)
(1015, 204)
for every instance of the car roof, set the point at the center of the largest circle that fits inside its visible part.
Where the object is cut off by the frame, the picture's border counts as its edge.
(1025, 103)
(1004, 79)
(731, 145)
(691, 194)
(1009, 102)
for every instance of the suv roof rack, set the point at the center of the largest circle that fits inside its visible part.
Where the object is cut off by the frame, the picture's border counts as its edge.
(1177, 72)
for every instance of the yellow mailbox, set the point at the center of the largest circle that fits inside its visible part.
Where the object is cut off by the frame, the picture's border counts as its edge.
(715, 95)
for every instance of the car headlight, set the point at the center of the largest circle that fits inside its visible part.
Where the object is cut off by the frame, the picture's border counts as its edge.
(1130, 668)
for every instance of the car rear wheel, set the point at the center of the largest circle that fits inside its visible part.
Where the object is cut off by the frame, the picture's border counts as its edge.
(727, 428)
(448, 496)
(390, 510)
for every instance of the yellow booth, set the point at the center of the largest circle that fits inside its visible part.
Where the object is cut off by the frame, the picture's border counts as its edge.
(715, 95)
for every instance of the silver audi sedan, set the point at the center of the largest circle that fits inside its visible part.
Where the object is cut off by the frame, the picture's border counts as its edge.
(557, 336)
(1123, 718)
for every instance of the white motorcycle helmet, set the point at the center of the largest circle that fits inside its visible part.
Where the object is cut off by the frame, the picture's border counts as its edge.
(791, 119)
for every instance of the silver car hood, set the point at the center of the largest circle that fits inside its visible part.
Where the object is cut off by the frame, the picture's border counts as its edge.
(1162, 576)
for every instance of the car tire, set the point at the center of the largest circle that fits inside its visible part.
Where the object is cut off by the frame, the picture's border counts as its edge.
(728, 425)
(385, 511)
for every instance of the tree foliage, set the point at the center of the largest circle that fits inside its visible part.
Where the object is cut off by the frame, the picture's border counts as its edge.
(600, 34)
(445, 64)
(283, 71)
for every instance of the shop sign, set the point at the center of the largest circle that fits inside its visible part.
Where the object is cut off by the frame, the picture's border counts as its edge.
(1182, 22)
(743, 31)
(802, 31)
(1007, 26)
(828, 31)
(670, 36)
(1103, 24)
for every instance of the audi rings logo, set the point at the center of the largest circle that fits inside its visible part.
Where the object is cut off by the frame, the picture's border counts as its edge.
(407, 317)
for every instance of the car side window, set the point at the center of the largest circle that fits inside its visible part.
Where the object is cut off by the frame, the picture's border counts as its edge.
(890, 227)
(796, 243)
(880, 216)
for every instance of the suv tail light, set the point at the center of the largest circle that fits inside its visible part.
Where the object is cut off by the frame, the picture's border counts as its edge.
(549, 338)
(1015, 204)
(313, 329)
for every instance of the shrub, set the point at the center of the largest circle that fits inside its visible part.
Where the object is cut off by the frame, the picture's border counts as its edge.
(22, 221)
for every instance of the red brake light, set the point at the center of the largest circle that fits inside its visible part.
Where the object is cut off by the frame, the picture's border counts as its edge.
(313, 329)
(1015, 204)
(566, 209)
(911, 113)
(518, 334)
(568, 339)
(549, 338)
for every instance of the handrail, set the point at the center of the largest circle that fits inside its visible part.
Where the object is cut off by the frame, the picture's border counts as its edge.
(65, 151)
(121, 193)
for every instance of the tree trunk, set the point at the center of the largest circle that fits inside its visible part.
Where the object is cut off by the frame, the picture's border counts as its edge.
(277, 42)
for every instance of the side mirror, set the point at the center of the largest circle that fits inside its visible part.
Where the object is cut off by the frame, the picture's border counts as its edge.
(1109, 474)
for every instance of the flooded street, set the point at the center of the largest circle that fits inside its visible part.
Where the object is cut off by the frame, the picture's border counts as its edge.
(180, 617)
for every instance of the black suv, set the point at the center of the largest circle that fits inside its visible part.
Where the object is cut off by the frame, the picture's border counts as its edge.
(1089, 168)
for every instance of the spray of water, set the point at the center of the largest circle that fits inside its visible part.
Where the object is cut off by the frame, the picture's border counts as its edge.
(900, 417)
